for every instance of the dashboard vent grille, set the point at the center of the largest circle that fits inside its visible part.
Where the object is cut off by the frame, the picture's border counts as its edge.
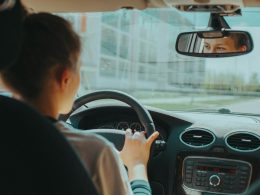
(197, 137)
(243, 141)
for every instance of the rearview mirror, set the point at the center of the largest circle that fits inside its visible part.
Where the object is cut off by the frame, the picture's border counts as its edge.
(214, 43)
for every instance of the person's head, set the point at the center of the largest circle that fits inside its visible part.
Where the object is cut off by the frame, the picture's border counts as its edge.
(232, 43)
(48, 63)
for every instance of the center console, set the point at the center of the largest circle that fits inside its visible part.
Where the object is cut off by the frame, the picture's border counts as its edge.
(219, 175)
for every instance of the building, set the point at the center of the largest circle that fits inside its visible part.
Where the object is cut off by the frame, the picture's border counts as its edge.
(125, 50)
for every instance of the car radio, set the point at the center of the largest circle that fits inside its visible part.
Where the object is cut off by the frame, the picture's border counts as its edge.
(220, 175)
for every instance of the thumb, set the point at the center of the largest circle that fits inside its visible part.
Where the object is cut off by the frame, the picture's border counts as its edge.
(152, 138)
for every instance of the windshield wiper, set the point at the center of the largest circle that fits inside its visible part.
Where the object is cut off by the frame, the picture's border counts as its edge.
(221, 110)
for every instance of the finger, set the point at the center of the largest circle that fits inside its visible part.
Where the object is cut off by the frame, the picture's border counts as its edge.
(128, 133)
(143, 133)
(152, 138)
(137, 134)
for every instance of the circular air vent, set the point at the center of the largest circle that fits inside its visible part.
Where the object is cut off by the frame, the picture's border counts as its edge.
(197, 137)
(243, 142)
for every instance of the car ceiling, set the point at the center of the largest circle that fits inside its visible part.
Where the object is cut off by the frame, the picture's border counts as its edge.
(102, 5)
(83, 5)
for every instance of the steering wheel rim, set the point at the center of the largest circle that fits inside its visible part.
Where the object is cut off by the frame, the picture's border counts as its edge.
(142, 113)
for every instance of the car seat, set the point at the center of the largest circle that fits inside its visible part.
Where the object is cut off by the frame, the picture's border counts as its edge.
(35, 157)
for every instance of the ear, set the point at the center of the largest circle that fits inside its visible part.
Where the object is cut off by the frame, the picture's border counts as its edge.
(243, 48)
(65, 78)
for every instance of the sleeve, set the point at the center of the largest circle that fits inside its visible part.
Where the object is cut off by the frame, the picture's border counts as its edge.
(141, 187)
(110, 174)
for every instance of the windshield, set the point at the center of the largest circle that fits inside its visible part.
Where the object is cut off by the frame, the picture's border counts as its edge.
(134, 51)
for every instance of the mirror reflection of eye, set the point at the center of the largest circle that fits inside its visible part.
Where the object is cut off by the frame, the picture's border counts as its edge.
(221, 49)
(207, 46)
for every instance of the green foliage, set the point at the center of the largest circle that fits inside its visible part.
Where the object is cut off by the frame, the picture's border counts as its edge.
(231, 82)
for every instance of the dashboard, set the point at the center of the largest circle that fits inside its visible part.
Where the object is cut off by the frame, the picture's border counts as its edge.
(205, 153)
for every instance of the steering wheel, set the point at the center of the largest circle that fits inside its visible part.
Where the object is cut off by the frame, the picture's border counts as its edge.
(115, 136)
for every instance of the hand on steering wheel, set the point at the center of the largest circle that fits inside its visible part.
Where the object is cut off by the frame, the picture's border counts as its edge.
(138, 146)
(136, 153)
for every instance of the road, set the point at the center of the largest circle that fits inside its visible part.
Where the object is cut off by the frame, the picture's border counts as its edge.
(249, 106)
(184, 100)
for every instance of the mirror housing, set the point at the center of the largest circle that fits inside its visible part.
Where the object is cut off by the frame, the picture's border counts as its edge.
(217, 43)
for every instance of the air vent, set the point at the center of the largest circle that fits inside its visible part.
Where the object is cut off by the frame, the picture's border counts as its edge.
(243, 141)
(197, 137)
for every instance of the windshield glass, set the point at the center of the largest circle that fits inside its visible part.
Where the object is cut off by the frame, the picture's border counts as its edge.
(134, 51)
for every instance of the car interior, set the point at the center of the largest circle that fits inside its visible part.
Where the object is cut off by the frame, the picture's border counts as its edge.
(209, 140)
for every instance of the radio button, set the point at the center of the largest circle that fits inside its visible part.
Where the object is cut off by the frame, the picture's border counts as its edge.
(188, 171)
(188, 180)
(189, 167)
(230, 177)
(206, 184)
(244, 168)
(198, 184)
(214, 180)
(204, 179)
(204, 174)
(198, 173)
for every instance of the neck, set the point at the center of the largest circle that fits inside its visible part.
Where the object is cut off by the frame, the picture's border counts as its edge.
(45, 105)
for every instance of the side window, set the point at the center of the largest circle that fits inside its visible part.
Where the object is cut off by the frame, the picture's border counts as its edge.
(4, 92)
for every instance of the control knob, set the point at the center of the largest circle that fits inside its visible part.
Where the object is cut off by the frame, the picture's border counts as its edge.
(214, 180)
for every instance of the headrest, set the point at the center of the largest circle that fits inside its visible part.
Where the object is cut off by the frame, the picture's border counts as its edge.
(35, 157)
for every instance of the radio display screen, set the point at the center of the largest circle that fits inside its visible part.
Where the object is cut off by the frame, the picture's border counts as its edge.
(216, 169)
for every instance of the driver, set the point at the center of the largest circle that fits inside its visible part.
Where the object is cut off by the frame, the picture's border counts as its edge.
(46, 75)
(229, 44)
